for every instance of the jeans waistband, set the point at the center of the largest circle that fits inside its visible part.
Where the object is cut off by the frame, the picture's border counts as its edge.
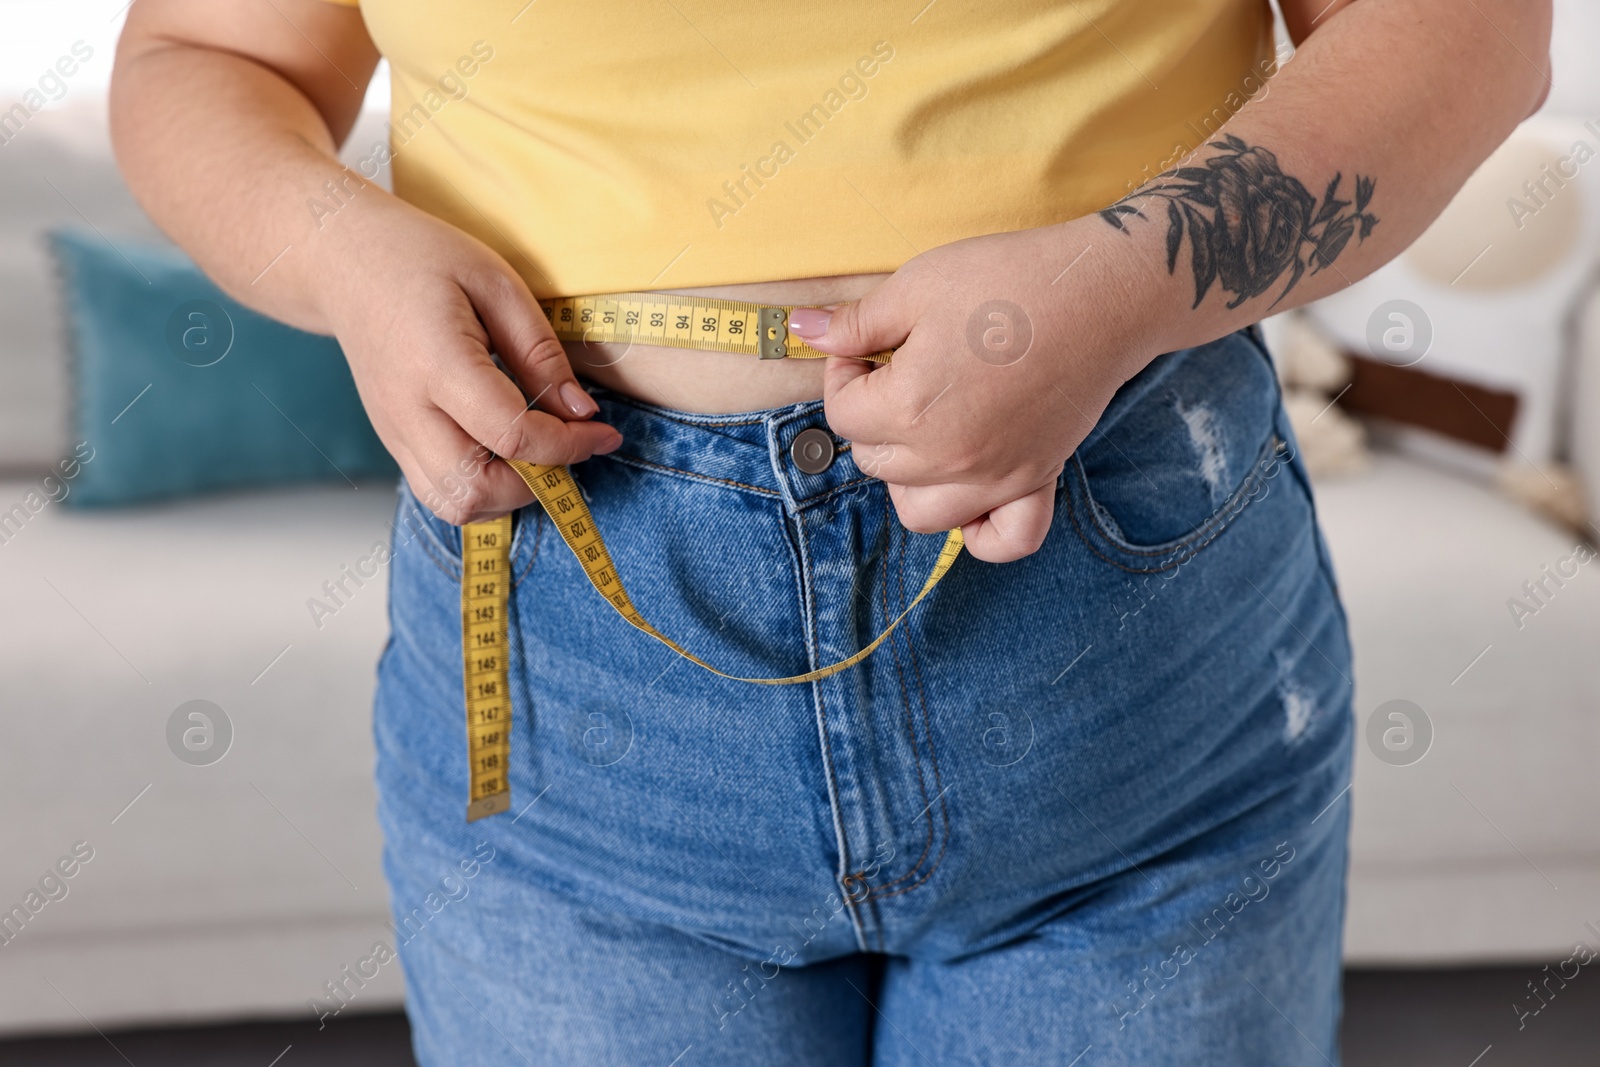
(748, 451)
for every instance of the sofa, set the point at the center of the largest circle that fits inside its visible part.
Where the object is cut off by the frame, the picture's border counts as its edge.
(227, 887)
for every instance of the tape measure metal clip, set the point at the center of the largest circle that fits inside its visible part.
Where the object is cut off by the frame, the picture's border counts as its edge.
(772, 333)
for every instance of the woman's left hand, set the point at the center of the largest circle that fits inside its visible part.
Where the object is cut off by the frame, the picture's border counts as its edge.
(1007, 349)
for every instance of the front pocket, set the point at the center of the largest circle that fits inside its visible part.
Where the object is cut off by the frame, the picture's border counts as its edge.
(1166, 470)
(442, 541)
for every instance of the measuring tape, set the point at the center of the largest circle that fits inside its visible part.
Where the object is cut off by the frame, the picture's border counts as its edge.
(702, 323)
(699, 322)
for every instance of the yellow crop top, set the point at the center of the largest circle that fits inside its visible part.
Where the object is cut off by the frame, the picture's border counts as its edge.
(603, 147)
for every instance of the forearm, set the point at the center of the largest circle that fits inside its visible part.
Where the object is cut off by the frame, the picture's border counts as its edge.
(1398, 101)
(225, 154)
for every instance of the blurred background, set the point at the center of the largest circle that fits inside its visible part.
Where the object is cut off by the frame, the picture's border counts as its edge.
(194, 517)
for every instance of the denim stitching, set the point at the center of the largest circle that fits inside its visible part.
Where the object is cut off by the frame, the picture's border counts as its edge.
(1185, 547)
(782, 417)
(538, 529)
(911, 730)
(1323, 560)
(805, 502)
(428, 538)
(877, 919)
(827, 756)
(635, 461)
(1169, 565)
(812, 501)
(450, 569)
(680, 417)
(1171, 546)
(1249, 334)
(944, 845)
(933, 750)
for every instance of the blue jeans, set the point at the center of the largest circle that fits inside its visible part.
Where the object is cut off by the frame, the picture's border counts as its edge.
(1087, 807)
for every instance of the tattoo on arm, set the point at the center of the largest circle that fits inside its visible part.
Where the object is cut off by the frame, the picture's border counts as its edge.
(1249, 223)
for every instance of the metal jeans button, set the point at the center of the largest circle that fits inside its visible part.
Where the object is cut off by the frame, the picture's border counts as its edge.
(812, 450)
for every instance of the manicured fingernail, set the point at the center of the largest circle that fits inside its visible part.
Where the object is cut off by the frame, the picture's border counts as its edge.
(579, 402)
(611, 444)
(809, 323)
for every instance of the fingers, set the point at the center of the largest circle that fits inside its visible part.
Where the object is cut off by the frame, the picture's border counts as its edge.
(1012, 530)
(489, 407)
(879, 321)
(884, 405)
(455, 477)
(525, 342)
(933, 508)
(472, 412)
(1001, 522)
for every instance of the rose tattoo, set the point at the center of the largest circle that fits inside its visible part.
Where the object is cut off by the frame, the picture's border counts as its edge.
(1248, 222)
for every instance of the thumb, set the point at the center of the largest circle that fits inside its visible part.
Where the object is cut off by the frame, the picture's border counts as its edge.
(877, 322)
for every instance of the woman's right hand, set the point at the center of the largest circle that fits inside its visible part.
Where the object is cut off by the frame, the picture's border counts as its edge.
(418, 307)
(225, 115)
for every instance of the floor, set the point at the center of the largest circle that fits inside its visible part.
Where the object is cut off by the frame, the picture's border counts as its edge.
(353, 1041)
(1392, 1018)
(1470, 1017)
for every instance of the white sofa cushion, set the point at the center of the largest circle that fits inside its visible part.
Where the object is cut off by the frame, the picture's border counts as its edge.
(1501, 810)
(238, 886)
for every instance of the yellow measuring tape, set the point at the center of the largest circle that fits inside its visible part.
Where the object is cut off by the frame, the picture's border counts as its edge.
(694, 322)
(699, 322)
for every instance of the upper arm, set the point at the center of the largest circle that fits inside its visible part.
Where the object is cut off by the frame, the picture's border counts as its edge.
(1523, 25)
(1301, 17)
(321, 49)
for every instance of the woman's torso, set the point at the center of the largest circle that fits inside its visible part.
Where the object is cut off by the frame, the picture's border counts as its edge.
(717, 145)
(719, 382)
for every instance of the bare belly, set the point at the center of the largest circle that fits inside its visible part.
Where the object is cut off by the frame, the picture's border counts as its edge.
(719, 382)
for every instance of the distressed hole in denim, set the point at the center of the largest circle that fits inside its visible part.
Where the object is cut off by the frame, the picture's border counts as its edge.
(1207, 436)
(1169, 455)
(1299, 707)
